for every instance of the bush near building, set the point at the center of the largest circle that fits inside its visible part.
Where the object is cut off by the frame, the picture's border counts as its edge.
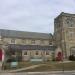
(72, 57)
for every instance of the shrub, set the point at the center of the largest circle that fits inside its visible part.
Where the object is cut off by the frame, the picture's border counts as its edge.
(72, 57)
(53, 59)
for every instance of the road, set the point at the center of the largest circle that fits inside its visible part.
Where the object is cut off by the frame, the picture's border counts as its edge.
(39, 73)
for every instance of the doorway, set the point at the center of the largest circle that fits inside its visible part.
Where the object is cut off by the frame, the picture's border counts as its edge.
(0, 54)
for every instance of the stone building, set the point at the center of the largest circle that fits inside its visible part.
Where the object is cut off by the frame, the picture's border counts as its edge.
(28, 46)
(64, 33)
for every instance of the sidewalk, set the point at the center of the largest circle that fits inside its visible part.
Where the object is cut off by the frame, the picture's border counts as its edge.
(0, 65)
(26, 68)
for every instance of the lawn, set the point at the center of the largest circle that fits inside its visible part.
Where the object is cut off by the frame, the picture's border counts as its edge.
(55, 66)
(47, 66)
(21, 65)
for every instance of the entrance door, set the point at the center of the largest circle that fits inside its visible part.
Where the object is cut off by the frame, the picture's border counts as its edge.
(0, 55)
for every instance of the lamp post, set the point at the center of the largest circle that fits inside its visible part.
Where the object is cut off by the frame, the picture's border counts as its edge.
(63, 62)
(64, 52)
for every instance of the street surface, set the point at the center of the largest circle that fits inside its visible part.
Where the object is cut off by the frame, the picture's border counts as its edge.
(39, 73)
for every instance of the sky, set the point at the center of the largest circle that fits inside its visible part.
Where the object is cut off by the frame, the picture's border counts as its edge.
(33, 15)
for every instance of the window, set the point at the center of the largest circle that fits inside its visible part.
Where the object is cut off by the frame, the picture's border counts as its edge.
(12, 40)
(50, 43)
(37, 53)
(47, 53)
(72, 51)
(42, 41)
(13, 52)
(32, 41)
(23, 41)
(71, 25)
(70, 22)
(25, 53)
(71, 35)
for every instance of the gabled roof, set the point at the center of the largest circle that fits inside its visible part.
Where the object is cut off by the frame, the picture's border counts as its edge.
(24, 34)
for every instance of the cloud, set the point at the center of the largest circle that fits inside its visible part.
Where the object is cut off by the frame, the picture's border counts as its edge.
(33, 15)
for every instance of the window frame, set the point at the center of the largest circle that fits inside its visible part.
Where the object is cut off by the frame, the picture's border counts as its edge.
(25, 53)
(32, 41)
(47, 53)
(13, 40)
(37, 53)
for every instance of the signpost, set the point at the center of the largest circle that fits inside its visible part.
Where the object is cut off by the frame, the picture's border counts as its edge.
(36, 60)
(14, 64)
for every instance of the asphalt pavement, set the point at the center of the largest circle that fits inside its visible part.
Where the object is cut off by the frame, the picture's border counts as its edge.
(39, 73)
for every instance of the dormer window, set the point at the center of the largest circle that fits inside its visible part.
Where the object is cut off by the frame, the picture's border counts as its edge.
(12, 40)
(23, 41)
(32, 41)
(42, 42)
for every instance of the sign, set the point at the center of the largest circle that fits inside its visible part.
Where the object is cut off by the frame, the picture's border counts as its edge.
(36, 60)
(14, 64)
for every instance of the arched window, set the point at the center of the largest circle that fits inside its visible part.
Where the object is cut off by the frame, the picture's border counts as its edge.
(37, 53)
(47, 53)
(25, 53)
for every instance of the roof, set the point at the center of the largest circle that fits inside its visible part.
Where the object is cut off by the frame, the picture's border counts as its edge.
(24, 34)
(30, 47)
(65, 14)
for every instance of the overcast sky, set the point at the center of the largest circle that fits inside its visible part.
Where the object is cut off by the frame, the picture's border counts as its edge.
(33, 15)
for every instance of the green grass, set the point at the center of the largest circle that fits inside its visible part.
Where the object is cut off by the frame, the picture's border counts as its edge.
(48, 66)
(53, 67)
(22, 65)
